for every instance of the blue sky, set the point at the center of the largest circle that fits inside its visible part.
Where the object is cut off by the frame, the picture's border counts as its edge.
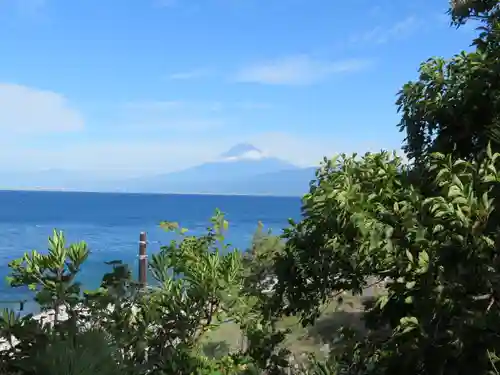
(144, 86)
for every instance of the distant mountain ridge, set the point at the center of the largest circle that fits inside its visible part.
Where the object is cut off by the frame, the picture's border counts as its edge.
(243, 169)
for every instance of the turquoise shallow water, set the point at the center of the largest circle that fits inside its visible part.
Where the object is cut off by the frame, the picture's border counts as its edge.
(111, 223)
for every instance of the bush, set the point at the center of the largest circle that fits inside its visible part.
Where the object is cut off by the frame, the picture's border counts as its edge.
(199, 286)
(437, 256)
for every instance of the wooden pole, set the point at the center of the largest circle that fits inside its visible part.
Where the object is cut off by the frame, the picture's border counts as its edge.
(143, 260)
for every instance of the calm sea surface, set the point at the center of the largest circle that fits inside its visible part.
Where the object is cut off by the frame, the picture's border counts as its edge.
(111, 223)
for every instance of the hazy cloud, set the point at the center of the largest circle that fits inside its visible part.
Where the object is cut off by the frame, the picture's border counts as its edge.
(309, 150)
(166, 154)
(181, 116)
(30, 110)
(119, 157)
(175, 124)
(191, 74)
(385, 34)
(249, 105)
(297, 70)
(155, 105)
(189, 107)
(175, 115)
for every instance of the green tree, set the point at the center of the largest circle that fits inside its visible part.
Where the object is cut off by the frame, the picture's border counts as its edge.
(158, 330)
(53, 275)
(454, 106)
(36, 345)
(437, 255)
(258, 261)
(463, 10)
(90, 354)
(201, 286)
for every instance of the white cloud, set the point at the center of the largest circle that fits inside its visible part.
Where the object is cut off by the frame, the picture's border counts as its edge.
(134, 157)
(297, 70)
(249, 155)
(116, 157)
(150, 137)
(29, 110)
(385, 34)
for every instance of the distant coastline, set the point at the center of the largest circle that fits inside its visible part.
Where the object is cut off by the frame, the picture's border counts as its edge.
(242, 171)
(63, 190)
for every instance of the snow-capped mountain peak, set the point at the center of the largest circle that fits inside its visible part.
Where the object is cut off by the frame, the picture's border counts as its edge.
(242, 151)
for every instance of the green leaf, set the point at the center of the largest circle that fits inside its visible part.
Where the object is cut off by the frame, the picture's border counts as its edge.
(488, 151)
(408, 321)
(410, 284)
(423, 259)
(169, 226)
(409, 256)
(382, 301)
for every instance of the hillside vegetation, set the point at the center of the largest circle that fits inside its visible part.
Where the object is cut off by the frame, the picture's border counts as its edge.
(394, 268)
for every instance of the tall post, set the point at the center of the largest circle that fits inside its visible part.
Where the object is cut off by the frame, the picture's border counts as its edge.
(143, 260)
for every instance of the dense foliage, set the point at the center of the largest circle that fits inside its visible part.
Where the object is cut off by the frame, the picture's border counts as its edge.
(454, 106)
(428, 232)
(437, 256)
(418, 242)
(121, 327)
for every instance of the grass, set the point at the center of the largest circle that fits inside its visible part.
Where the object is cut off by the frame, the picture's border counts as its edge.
(228, 337)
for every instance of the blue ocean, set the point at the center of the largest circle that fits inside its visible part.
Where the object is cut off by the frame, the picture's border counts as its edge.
(111, 224)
